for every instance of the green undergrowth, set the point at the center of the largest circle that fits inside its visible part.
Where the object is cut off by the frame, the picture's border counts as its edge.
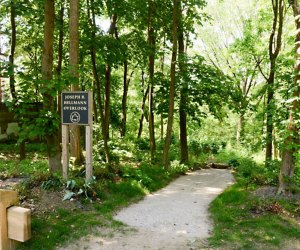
(101, 198)
(15, 168)
(244, 220)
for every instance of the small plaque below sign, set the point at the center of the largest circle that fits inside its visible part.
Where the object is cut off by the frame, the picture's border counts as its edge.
(75, 108)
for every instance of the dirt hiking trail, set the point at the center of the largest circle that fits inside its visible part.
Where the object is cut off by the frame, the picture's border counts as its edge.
(176, 217)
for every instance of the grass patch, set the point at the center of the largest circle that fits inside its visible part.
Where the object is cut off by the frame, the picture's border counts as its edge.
(51, 230)
(113, 189)
(240, 225)
(12, 168)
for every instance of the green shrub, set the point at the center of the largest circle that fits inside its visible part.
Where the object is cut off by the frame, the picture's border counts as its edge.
(176, 168)
(142, 144)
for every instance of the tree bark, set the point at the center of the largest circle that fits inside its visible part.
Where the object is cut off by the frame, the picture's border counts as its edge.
(291, 142)
(75, 148)
(60, 56)
(172, 84)
(124, 100)
(183, 92)
(126, 82)
(275, 42)
(107, 101)
(12, 67)
(162, 71)
(53, 145)
(240, 128)
(12, 50)
(143, 112)
(92, 20)
(151, 42)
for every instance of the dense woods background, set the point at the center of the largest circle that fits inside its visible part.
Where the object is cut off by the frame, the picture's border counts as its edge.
(177, 85)
(174, 77)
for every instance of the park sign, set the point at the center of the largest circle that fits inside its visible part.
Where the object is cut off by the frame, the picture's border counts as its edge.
(76, 107)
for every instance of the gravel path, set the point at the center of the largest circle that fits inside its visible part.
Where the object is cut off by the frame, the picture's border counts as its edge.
(175, 217)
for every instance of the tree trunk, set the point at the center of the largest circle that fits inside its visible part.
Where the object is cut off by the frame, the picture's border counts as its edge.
(53, 145)
(12, 67)
(269, 114)
(162, 71)
(143, 112)
(75, 148)
(151, 42)
(183, 93)
(107, 101)
(240, 128)
(92, 20)
(275, 42)
(12, 50)
(291, 142)
(172, 84)
(124, 100)
(60, 56)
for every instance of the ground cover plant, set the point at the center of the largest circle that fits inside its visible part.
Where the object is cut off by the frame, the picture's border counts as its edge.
(58, 217)
(177, 85)
(250, 215)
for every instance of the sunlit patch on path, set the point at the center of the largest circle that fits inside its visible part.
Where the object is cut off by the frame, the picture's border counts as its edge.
(176, 217)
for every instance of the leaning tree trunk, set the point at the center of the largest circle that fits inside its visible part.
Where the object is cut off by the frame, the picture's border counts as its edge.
(76, 150)
(172, 84)
(291, 142)
(275, 42)
(143, 112)
(107, 92)
(92, 22)
(53, 142)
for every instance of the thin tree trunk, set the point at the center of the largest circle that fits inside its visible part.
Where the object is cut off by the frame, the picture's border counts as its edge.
(291, 142)
(143, 109)
(124, 100)
(269, 115)
(275, 42)
(240, 128)
(92, 19)
(151, 41)
(162, 71)
(53, 142)
(12, 50)
(60, 56)
(126, 83)
(107, 101)
(172, 84)
(107, 92)
(183, 93)
(12, 67)
(95, 104)
(75, 148)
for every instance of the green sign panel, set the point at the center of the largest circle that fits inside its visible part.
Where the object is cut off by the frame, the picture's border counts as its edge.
(75, 108)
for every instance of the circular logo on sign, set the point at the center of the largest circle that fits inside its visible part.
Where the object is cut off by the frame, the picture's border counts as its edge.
(75, 117)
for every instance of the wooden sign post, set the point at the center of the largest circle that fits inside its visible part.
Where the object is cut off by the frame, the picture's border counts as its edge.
(77, 110)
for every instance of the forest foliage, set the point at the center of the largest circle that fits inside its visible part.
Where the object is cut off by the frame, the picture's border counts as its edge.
(159, 71)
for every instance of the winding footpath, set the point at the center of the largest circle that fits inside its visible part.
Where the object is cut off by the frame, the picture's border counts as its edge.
(176, 217)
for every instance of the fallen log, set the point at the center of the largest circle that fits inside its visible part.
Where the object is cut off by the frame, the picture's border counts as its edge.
(219, 165)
